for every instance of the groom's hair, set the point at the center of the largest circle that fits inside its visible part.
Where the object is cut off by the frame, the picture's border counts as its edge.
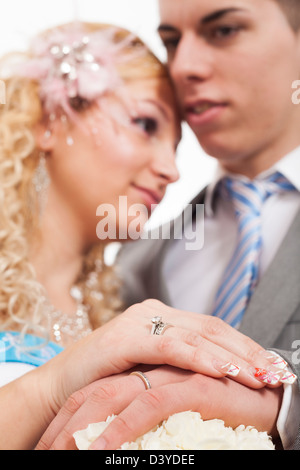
(291, 8)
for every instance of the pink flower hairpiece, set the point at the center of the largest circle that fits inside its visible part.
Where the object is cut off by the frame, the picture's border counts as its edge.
(70, 63)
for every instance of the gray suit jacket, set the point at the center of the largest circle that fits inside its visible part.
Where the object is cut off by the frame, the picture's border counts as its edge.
(273, 315)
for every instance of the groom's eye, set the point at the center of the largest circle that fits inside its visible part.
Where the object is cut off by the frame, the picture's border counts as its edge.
(223, 32)
(148, 125)
(170, 43)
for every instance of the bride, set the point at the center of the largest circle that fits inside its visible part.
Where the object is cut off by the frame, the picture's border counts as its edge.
(90, 115)
(89, 118)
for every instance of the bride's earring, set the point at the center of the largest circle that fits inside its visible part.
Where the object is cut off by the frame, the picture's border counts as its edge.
(41, 181)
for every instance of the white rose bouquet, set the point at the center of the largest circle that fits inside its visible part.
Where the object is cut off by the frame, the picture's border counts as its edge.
(185, 431)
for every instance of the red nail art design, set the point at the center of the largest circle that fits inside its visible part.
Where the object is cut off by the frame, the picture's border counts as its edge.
(267, 376)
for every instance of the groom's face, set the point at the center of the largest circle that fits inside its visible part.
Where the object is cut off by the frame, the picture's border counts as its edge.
(233, 63)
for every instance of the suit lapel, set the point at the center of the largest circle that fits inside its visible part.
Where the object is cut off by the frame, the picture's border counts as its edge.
(275, 299)
(161, 285)
(278, 294)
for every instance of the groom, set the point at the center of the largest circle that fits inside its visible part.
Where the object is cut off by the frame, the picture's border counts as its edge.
(233, 64)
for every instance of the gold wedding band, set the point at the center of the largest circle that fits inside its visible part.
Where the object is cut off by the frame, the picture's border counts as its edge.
(144, 378)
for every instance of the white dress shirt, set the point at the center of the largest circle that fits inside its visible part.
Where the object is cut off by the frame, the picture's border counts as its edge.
(221, 229)
(194, 286)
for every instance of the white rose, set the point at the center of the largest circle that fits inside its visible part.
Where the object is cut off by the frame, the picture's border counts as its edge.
(185, 431)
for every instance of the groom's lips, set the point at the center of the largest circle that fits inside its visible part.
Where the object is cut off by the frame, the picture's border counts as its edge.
(203, 112)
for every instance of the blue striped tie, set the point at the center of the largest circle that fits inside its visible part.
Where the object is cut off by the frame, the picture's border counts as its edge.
(241, 275)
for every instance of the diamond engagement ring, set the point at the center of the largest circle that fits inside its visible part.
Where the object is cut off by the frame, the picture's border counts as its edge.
(144, 378)
(158, 326)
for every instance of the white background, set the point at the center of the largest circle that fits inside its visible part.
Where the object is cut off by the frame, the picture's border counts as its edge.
(21, 19)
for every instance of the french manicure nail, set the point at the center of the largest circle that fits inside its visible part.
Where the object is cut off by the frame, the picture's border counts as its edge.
(231, 369)
(279, 363)
(275, 360)
(288, 378)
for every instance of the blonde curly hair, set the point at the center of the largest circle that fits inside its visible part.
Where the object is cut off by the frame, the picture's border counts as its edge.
(20, 292)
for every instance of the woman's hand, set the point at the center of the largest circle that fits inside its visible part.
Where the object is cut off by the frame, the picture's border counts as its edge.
(139, 410)
(198, 343)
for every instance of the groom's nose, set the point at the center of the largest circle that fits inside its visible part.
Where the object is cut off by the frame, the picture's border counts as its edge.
(192, 62)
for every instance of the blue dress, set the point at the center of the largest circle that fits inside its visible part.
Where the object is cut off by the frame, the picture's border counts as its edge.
(31, 349)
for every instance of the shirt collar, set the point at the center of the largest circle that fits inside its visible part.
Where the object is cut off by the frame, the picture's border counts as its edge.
(288, 166)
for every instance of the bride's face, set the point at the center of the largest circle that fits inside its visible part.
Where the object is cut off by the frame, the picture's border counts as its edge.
(124, 148)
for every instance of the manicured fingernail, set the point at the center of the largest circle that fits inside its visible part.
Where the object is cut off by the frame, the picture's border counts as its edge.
(267, 354)
(288, 378)
(279, 363)
(274, 359)
(231, 369)
(266, 376)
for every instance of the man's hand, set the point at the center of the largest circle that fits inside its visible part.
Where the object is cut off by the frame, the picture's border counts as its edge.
(173, 391)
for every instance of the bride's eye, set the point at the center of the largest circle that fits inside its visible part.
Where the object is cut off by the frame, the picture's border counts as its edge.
(148, 125)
